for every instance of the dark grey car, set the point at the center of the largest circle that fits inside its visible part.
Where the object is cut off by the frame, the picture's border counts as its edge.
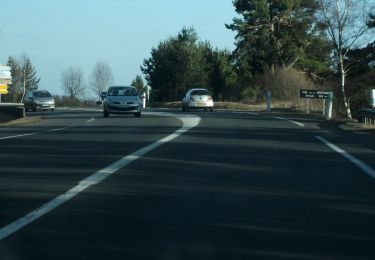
(122, 100)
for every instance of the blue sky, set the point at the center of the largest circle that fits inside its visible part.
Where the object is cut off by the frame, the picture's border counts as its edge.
(57, 34)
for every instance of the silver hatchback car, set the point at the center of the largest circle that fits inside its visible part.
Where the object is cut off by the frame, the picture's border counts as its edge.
(122, 100)
(39, 100)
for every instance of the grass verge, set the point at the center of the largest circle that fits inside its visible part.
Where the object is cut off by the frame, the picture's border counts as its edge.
(22, 121)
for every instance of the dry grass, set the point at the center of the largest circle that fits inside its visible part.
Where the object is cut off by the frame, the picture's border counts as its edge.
(361, 126)
(235, 105)
(22, 121)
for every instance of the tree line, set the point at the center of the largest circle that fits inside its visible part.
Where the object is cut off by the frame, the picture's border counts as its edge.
(316, 39)
(24, 77)
(73, 85)
(282, 46)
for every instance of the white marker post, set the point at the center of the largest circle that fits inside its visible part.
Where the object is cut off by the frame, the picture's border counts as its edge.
(144, 100)
(329, 106)
(269, 101)
(372, 98)
(307, 106)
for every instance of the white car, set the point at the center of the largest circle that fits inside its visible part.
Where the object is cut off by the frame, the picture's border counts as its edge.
(122, 100)
(197, 98)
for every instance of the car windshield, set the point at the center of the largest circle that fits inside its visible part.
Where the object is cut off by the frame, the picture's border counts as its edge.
(200, 92)
(122, 91)
(41, 94)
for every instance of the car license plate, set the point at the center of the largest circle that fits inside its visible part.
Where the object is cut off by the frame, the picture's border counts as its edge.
(201, 104)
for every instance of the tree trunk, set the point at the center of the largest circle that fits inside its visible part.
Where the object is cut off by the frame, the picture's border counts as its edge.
(343, 77)
(24, 88)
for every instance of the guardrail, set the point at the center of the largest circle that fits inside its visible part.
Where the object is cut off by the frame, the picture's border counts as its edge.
(13, 110)
(367, 116)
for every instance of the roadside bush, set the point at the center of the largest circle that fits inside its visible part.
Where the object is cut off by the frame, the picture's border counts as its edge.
(359, 89)
(285, 86)
(64, 101)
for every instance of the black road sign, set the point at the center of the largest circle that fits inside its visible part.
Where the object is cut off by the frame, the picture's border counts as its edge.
(310, 93)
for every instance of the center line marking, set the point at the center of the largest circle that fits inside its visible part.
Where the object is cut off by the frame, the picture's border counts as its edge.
(188, 122)
(35, 133)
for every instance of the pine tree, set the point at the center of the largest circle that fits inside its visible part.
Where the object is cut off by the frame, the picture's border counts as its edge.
(280, 33)
(15, 87)
(29, 77)
(139, 84)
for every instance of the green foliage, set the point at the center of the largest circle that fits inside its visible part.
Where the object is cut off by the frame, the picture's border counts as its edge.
(29, 77)
(24, 78)
(139, 84)
(278, 34)
(183, 62)
(14, 89)
(358, 87)
(371, 21)
(221, 74)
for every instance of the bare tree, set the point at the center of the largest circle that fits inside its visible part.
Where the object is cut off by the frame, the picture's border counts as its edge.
(73, 82)
(101, 78)
(346, 26)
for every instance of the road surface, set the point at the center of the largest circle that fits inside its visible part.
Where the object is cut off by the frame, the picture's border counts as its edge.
(197, 185)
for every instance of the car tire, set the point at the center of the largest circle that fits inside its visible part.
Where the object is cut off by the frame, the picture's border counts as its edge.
(26, 109)
(139, 114)
(211, 109)
(105, 113)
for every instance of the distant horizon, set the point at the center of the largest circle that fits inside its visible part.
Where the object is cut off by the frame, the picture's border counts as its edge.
(58, 35)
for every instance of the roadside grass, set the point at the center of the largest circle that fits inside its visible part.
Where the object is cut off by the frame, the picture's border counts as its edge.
(22, 121)
(360, 126)
(233, 106)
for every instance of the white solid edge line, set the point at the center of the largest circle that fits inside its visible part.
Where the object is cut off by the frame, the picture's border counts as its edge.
(244, 112)
(90, 120)
(363, 166)
(291, 121)
(43, 132)
(188, 121)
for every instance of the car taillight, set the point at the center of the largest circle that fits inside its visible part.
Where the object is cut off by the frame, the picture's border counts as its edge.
(209, 98)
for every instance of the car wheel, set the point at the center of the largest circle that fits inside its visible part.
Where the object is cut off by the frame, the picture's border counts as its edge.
(186, 109)
(183, 109)
(139, 114)
(105, 113)
(211, 109)
(52, 109)
(26, 109)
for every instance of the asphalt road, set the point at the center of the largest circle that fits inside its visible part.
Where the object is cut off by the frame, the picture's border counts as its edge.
(236, 186)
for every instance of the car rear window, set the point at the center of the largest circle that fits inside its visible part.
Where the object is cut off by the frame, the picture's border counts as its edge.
(200, 92)
(122, 91)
